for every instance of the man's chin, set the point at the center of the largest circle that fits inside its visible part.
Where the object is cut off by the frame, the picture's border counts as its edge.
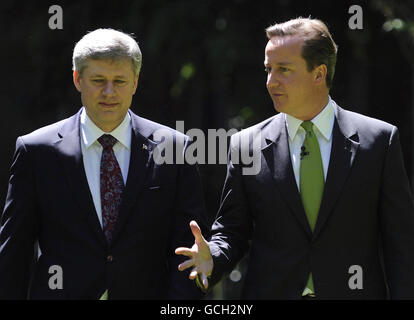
(108, 121)
(279, 107)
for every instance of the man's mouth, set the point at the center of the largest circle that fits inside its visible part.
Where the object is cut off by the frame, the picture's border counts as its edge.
(108, 104)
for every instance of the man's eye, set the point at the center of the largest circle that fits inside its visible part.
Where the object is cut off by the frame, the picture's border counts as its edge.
(97, 80)
(283, 69)
(120, 81)
(268, 69)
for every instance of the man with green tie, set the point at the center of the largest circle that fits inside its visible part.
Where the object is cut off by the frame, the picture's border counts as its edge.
(331, 197)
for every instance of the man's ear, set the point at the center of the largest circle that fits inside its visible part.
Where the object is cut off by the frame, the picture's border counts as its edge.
(320, 74)
(76, 80)
(136, 83)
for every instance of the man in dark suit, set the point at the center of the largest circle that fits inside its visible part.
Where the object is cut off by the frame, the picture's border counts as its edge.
(87, 192)
(329, 215)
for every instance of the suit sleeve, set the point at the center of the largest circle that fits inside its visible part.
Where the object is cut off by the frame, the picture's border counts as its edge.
(18, 228)
(189, 205)
(397, 223)
(232, 229)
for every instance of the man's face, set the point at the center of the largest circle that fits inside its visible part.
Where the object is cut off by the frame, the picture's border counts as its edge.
(106, 88)
(290, 85)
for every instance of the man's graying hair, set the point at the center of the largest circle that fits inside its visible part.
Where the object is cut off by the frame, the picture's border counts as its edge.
(318, 46)
(106, 44)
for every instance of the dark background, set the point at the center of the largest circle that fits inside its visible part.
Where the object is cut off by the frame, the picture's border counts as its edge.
(202, 63)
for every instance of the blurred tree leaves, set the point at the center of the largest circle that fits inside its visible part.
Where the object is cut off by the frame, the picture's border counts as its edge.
(399, 20)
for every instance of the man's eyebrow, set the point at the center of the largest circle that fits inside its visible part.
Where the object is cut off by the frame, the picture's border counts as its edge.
(103, 76)
(283, 63)
(97, 75)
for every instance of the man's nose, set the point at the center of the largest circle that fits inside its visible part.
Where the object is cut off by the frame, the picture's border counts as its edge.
(108, 89)
(272, 80)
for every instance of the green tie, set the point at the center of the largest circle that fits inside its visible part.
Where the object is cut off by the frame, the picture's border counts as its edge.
(104, 296)
(311, 179)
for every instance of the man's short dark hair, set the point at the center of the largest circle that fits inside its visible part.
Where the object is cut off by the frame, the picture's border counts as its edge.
(318, 46)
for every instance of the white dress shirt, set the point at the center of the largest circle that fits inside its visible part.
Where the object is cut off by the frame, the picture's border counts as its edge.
(322, 127)
(92, 152)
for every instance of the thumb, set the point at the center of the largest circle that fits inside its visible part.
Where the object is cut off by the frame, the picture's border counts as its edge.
(195, 229)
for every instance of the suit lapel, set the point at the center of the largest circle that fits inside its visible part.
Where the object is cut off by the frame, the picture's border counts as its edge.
(70, 154)
(140, 161)
(344, 148)
(277, 156)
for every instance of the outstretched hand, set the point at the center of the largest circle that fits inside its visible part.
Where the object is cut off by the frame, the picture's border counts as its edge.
(200, 256)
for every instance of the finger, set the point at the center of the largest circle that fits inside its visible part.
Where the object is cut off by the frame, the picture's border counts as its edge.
(186, 264)
(184, 251)
(204, 280)
(195, 229)
(193, 274)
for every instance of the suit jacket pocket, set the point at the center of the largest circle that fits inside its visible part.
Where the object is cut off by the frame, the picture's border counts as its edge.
(156, 187)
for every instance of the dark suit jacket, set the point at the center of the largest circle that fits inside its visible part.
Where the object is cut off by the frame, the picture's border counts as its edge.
(366, 217)
(49, 202)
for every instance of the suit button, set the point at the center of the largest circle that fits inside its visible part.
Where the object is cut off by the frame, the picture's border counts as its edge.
(110, 258)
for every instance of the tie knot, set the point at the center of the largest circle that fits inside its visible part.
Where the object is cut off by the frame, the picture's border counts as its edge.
(107, 141)
(307, 125)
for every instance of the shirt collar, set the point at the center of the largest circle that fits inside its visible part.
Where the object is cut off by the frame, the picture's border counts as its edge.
(90, 132)
(324, 122)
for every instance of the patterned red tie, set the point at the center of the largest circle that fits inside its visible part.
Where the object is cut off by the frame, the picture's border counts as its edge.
(112, 185)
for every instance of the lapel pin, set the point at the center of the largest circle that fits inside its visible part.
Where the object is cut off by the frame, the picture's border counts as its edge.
(144, 147)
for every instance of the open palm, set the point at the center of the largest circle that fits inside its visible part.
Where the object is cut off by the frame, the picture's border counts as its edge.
(200, 256)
